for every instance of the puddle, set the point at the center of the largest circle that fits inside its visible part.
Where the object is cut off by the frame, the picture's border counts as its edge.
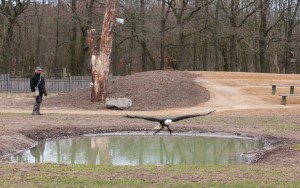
(120, 150)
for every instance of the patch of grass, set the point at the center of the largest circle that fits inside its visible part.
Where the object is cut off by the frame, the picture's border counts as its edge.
(12, 114)
(296, 147)
(54, 175)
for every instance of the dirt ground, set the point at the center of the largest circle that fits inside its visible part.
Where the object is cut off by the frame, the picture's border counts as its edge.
(242, 102)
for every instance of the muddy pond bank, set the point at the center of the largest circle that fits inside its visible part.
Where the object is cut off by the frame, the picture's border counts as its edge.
(55, 126)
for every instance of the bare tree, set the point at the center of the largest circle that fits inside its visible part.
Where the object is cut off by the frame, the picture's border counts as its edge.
(142, 39)
(262, 34)
(40, 19)
(163, 19)
(233, 10)
(100, 60)
(84, 28)
(73, 60)
(179, 8)
(197, 65)
(57, 43)
(143, 34)
(216, 37)
(264, 29)
(290, 24)
(11, 10)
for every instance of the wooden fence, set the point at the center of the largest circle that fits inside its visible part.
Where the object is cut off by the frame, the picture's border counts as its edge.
(22, 85)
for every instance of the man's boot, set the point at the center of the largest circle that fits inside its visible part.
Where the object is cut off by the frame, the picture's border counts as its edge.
(38, 109)
(35, 108)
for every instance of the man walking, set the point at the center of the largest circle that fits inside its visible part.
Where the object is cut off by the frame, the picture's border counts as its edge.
(38, 82)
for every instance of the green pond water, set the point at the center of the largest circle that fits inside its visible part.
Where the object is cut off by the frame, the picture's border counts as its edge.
(141, 150)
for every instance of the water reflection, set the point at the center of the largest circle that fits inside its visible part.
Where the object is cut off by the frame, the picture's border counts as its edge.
(140, 150)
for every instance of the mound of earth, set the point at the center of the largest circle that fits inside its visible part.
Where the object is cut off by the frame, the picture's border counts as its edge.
(152, 90)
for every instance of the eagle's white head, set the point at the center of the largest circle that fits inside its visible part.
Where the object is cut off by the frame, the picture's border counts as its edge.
(168, 122)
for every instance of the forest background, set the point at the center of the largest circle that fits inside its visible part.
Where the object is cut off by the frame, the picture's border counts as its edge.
(196, 35)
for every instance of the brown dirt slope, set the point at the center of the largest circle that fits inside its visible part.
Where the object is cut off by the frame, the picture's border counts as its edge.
(153, 90)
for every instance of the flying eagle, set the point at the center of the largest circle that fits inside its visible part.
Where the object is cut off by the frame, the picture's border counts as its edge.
(167, 121)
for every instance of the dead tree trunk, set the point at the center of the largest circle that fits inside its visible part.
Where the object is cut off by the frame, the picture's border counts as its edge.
(100, 59)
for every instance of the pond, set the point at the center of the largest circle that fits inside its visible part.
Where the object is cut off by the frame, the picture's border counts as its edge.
(142, 150)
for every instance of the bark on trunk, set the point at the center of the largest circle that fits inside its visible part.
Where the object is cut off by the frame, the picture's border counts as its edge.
(101, 61)
(262, 36)
(73, 59)
(57, 36)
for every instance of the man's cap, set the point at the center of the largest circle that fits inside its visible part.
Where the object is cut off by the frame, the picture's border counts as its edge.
(38, 68)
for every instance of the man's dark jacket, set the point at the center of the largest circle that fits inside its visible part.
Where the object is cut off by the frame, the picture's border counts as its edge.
(34, 80)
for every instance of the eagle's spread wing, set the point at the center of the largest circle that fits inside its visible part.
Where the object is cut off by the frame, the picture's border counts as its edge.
(145, 118)
(190, 116)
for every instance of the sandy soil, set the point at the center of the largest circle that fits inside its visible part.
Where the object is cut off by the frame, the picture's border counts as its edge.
(242, 102)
